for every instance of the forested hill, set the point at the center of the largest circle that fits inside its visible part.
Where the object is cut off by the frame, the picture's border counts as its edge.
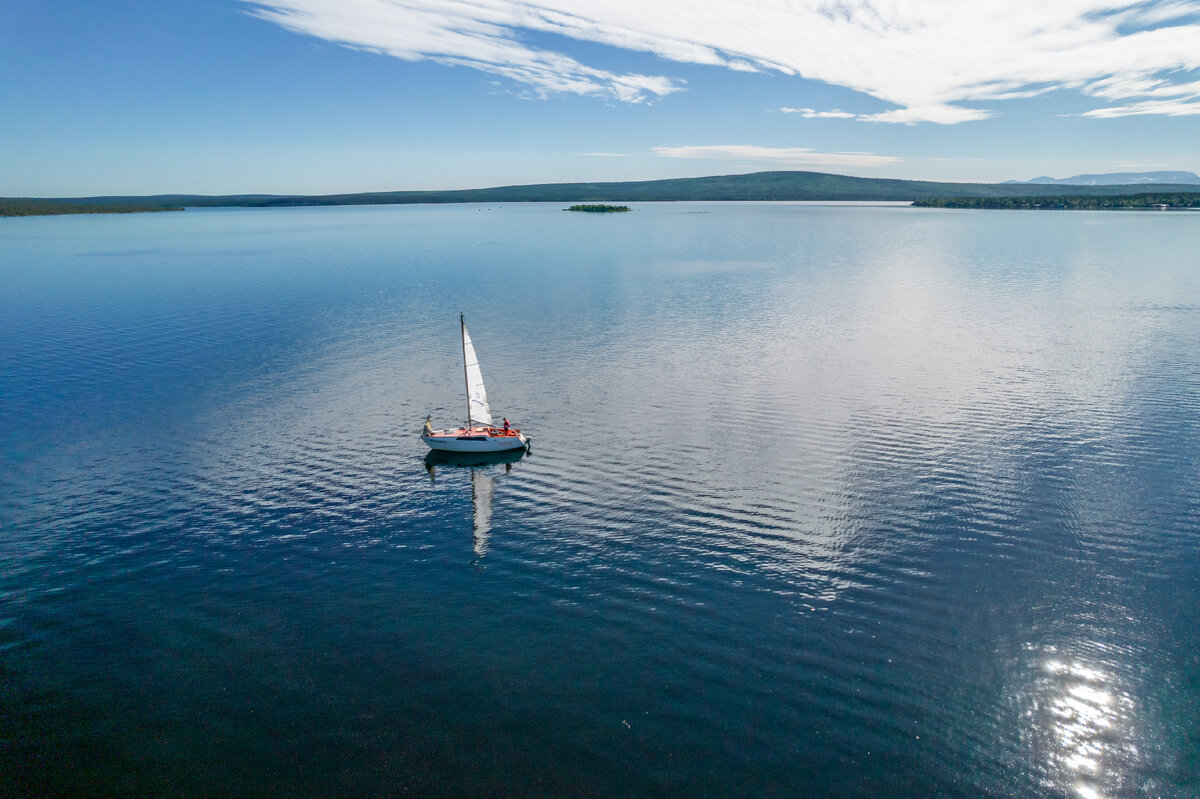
(760, 186)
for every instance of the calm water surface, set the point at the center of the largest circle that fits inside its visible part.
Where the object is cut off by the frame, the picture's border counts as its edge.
(841, 501)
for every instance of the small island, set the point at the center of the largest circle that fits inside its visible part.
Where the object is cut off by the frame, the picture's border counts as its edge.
(598, 209)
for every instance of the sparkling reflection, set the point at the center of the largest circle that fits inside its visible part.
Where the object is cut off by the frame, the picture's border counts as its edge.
(1084, 720)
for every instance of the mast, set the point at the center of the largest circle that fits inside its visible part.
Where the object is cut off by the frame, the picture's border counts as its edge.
(466, 380)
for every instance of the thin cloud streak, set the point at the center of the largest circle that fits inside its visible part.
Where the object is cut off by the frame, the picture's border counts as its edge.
(1170, 108)
(812, 113)
(789, 156)
(938, 61)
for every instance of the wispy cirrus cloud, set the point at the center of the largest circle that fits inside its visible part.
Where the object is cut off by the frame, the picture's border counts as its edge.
(788, 156)
(812, 113)
(1158, 97)
(483, 35)
(941, 61)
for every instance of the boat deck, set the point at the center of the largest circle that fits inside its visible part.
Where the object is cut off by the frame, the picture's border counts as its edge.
(475, 432)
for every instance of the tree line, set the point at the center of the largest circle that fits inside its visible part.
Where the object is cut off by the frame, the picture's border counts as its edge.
(38, 207)
(1070, 203)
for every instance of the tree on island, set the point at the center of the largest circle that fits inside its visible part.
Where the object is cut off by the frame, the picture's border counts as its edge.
(598, 209)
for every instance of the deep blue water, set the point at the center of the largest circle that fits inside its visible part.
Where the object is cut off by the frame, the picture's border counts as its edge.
(823, 500)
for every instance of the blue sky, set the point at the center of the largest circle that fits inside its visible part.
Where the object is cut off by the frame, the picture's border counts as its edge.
(320, 96)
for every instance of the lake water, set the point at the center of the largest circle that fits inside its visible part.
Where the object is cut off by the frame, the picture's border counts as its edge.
(823, 500)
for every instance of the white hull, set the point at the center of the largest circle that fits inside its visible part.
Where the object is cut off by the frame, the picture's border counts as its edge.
(475, 442)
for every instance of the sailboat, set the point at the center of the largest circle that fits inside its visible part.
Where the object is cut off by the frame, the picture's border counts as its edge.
(478, 434)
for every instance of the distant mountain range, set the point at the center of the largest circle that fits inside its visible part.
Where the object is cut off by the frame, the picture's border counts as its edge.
(1118, 179)
(757, 186)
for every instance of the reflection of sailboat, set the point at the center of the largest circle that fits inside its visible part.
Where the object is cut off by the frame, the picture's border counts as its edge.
(483, 485)
(478, 434)
(442, 458)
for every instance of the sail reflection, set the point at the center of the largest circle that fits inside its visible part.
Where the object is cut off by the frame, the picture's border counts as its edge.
(483, 468)
(482, 487)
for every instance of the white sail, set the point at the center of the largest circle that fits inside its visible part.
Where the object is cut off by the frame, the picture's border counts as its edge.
(477, 404)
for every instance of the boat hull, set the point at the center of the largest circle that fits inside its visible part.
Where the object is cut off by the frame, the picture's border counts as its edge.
(476, 442)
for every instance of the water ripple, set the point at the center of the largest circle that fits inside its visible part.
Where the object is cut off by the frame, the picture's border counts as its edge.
(861, 505)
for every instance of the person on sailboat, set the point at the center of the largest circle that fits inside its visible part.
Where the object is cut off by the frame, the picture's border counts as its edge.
(428, 431)
(506, 426)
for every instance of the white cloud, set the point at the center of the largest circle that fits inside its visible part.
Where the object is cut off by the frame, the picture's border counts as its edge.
(933, 60)
(812, 113)
(790, 156)
(1158, 97)
(941, 114)
(1171, 108)
(483, 35)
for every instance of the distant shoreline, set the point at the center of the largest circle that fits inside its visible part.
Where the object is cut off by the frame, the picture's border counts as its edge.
(790, 186)
(1144, 201)
(38, 207)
